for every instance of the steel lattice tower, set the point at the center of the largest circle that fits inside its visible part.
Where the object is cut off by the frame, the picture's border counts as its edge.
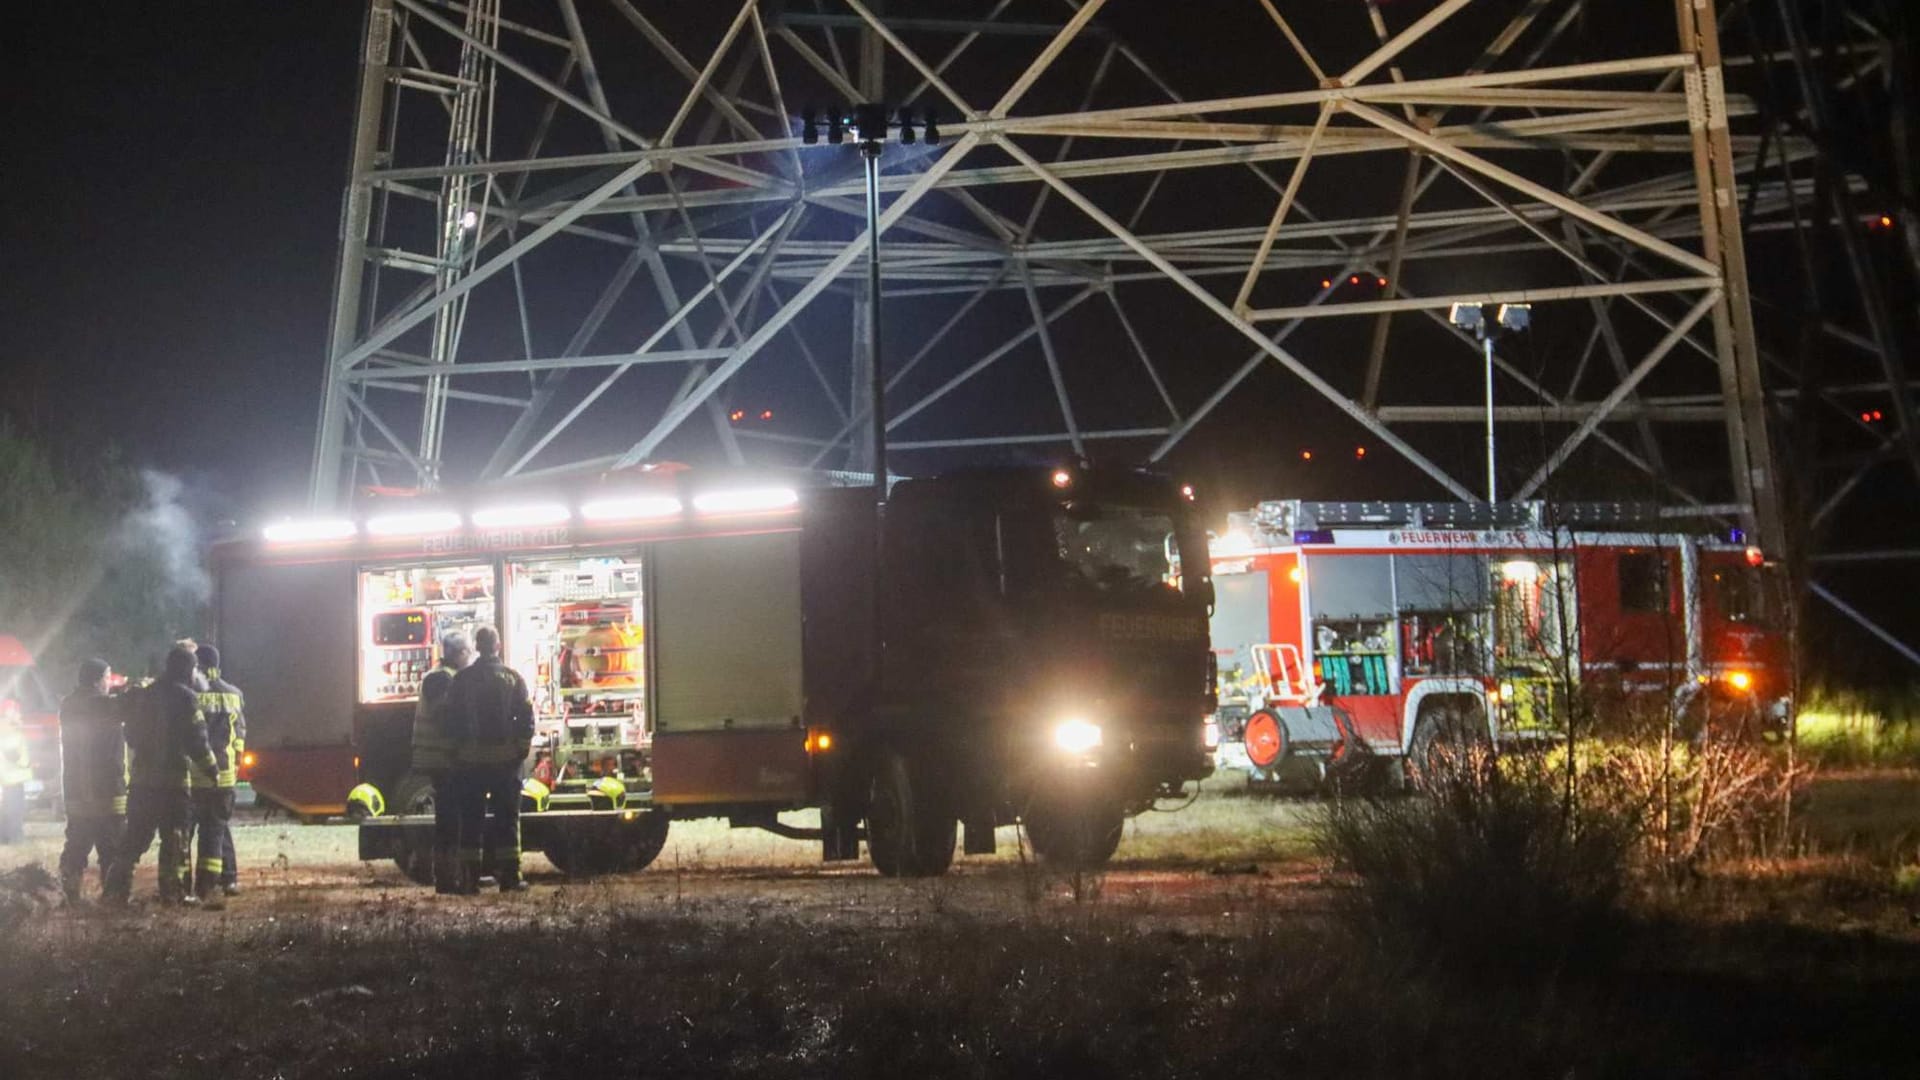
(574, 229)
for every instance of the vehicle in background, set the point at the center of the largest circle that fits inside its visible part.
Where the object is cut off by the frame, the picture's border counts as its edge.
(704, 645)
(1356, 632)
(25, 693)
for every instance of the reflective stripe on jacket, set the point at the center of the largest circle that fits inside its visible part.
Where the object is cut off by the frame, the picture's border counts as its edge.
(225, 710)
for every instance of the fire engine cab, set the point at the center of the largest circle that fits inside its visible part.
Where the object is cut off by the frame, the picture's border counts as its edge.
(1351, 631)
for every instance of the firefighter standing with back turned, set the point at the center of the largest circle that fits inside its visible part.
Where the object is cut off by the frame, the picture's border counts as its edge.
(225, 709)
(167, 735)
(433, 757)
(490, 715)
(93, 770)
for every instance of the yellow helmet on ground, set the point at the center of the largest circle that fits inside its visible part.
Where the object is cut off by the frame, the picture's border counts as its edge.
(365, 801)
(534, 795)
(607, 793)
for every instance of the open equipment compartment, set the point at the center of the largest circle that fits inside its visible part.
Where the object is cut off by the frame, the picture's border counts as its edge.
(575, 629)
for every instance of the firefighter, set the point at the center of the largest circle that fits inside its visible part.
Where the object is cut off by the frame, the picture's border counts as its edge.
(93, 768)
(14, 774)
(491, 718)
(167, 735)
(225, 709)
(433, 757)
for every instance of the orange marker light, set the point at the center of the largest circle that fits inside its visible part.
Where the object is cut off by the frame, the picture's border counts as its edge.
(1755, 556)
(1740, 680)
(766, 414)
(1326, 283)
(1293, 575)
(1354, 280)
(1306, 455)
(1383, 282)
(1359, 451)
(1061, 478)
(737, 415)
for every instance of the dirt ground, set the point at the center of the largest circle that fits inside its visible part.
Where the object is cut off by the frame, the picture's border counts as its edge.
(1209, 867)
(1204, 950)
(1219, 865)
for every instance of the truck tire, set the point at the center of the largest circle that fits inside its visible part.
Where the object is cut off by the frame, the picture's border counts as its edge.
(592, 848)
(644, 841)
(910, 832)
(1075, 833)
(414, 796)
(1446, 743)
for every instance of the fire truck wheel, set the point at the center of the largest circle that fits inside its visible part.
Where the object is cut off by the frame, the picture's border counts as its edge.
(415, 796)
(1077, 833)
(1446, 745)
(644, 841)
(909, 832)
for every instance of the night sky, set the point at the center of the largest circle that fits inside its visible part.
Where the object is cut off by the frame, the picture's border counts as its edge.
(177, 178)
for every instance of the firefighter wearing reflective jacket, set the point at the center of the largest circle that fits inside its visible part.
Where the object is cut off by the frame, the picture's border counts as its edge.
(15, 771)
(167, 735)
(433, 757)
(93, 769)
(490, 717)
(225, 709)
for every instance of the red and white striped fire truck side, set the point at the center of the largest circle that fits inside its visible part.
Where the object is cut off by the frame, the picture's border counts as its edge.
(1399, 629)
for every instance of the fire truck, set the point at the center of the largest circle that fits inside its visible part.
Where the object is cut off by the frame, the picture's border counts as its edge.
(1012, 645)
(1351, 633)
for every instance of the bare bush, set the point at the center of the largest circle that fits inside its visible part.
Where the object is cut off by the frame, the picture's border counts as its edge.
(1484, 872)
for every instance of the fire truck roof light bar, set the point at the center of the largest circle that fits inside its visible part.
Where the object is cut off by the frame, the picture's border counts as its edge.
(632, 508)
(497, 517)
(746, 500)
(312, 530)
(413, 523)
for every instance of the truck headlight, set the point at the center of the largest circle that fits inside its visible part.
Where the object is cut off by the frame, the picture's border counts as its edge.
(1076, 736)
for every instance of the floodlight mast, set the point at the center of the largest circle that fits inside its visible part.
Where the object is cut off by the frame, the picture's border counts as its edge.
(1473, 319)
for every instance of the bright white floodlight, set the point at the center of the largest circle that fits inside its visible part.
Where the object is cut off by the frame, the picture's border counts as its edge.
(311, 531)
(413, 523)
(746, 500)
(631, 508)
(502, 517)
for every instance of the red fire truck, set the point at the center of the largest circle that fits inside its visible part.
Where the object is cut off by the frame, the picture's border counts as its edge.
(1360, 631)
(705, 641)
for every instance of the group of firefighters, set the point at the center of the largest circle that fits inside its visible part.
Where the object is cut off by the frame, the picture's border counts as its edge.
(161, 758)
(157, 760)
(472, 730)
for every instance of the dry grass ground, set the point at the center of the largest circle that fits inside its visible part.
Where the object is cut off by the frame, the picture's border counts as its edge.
(1206, 950)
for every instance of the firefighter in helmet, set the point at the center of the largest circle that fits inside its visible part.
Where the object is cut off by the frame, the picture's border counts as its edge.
(167, 734)
(93, 769)
(14, 774)
(225, 709)
(433, 757)
(490, 716)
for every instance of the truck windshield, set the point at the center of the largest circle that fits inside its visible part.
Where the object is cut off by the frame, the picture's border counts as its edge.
(1740, 594)
(1115, 549)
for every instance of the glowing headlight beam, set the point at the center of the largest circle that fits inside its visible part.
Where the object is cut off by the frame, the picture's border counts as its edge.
(1076, 736)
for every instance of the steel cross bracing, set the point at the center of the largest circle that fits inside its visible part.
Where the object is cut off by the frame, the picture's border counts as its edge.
(580, 234)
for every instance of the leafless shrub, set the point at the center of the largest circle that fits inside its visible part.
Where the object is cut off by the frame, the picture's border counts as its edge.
(1484, 871)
